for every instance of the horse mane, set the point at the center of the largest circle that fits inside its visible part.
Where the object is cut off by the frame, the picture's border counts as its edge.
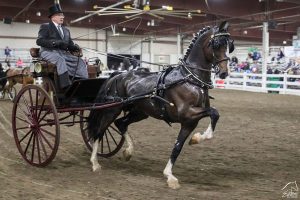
(194, 40)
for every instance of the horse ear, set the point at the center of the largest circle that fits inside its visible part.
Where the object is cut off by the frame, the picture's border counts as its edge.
(231, 46)
(223, 26)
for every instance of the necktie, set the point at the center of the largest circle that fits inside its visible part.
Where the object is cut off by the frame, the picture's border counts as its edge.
(60, 31)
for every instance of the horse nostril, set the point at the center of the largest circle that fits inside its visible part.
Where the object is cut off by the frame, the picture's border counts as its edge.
(223, 75)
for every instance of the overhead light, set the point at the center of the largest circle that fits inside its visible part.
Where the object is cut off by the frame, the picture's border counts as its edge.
(38, 13)
(167, 7)
(127, 7)
(283, 42)
(124, 29)
(27, 21)
(146, 8)
(245, 32)
(189, 15)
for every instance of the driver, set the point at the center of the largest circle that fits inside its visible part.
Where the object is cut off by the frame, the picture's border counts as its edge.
(55, 41)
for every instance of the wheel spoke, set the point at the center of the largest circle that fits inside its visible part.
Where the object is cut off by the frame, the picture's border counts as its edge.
(23, 120)
(33, 147)
(115, 129)
(42, 144)
(22, 128)
(40, 111)
(112, 137)
(49, 133)
(46, 140)
(28, 143)
(107, 142)
(46, 113)
(25, 136)
(38, 147)
(27, 106)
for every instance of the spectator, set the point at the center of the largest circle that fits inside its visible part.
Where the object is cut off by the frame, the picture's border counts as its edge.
(7, 52)
(19, 63)
(269, 71)
(280, 54)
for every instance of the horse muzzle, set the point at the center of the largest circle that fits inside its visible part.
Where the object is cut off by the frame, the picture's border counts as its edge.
(223, 75)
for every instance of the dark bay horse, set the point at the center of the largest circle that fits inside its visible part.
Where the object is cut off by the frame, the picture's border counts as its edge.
(177, 95)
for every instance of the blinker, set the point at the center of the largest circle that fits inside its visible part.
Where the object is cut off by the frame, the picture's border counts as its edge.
(231, 46)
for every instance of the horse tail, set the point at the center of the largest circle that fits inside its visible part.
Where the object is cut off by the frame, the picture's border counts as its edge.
(95, 119)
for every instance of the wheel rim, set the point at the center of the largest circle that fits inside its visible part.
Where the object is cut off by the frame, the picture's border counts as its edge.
(111, 142)
(35, 126)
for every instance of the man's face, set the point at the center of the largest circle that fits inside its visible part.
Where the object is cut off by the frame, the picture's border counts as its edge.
(58, 18)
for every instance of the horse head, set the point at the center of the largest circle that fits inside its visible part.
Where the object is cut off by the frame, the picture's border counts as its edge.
(208, 50)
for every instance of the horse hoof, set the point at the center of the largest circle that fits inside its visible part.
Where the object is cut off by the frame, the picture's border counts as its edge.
(173, 184)
(126, 155)
(195, 139)
(96, 168)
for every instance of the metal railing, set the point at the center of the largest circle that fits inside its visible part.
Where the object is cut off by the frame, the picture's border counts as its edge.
(279, 83)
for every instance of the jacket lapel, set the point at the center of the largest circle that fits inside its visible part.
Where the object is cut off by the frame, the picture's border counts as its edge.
(54, 28)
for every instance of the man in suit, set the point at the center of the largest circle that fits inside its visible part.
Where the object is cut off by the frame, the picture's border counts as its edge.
(56, 44)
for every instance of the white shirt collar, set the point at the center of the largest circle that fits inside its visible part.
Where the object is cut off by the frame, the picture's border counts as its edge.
(56, 24)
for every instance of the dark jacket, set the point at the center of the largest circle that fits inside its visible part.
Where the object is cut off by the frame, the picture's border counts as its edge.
(49, 38)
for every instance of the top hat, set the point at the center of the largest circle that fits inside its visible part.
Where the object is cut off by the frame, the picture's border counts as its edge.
(54, 10)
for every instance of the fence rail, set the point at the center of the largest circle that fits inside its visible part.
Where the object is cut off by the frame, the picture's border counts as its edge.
(279, 83)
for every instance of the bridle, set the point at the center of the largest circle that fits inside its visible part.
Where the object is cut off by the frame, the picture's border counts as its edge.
(215, 64)
(215, 45)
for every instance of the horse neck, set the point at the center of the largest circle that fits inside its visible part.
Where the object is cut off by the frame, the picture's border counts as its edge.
(197, 59)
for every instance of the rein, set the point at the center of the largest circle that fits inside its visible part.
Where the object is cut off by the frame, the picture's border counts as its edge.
(191, 74)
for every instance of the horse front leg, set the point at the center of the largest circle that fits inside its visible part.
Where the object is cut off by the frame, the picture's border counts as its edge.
(208, 134)
(183, 134)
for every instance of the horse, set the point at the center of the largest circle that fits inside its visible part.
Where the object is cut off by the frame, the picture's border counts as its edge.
(21, 76)
(177, 95)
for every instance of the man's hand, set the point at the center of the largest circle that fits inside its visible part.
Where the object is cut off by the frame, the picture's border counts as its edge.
(60, 44)
(74, 47)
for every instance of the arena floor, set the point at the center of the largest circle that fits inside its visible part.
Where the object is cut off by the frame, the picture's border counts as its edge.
(254, 154)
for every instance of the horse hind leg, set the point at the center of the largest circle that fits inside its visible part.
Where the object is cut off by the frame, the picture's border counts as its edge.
(94, 160)
(208, 134)
(122, 124)
(127, 153)
(106, 120)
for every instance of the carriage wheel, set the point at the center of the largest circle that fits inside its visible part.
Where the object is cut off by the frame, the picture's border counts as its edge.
(35, 126)
(111, 142)
(12, 93)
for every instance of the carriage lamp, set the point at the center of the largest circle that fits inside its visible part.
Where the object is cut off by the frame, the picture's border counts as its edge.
(38, 67)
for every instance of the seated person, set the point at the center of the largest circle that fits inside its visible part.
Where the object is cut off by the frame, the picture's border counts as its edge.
(55, 41)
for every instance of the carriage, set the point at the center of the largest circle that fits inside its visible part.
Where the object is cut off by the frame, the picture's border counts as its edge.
(39, 110)
(177, 95)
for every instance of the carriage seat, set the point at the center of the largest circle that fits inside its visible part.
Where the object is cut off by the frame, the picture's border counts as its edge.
(47, 67)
